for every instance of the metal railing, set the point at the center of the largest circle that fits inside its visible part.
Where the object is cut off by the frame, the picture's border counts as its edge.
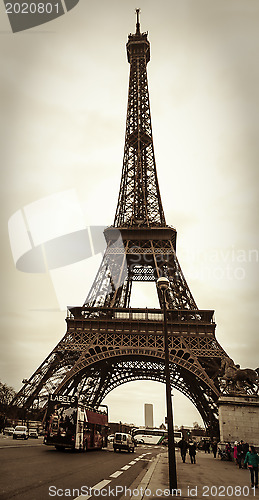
(141, 314)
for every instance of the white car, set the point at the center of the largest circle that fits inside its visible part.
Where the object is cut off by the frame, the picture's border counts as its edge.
(123, 441)
(20, 431)
(8, 431)
(33, 433)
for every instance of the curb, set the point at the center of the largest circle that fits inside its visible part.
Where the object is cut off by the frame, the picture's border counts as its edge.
(145, 480)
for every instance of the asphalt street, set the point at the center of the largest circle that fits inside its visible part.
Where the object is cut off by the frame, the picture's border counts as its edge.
(33, 471)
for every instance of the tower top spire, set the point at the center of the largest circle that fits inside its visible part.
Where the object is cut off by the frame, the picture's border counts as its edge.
(138, 23)
(139, 202)
(138, 44)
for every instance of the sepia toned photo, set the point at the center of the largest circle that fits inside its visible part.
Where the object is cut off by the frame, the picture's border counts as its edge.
(130, 249)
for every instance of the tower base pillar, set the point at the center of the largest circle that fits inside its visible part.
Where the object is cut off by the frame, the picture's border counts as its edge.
(239, 418)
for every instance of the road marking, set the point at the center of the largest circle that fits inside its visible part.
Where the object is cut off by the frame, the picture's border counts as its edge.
(117, 473)
(97, 486)
(104, 483)
(83, 497)
(101, 485)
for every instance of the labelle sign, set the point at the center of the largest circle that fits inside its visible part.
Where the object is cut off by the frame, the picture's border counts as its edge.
(69, 400)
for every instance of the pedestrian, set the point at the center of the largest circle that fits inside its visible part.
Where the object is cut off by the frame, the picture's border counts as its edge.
(183, 445)
(240, 454)
(228, 452)
(235, 452)
(214, 448)
(245, 450)
(252, 460)
(206, 447)
(192, 451)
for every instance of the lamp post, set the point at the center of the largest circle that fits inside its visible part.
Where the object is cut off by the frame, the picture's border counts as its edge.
(26, 410)
(163, 285)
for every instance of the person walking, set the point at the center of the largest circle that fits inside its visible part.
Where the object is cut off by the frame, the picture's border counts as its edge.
(183, 445)
(206, 447)
(245, 450)
(235, 452)
(252, 460)
(240, 454)
(214, 448)
(192, 451)
(228, 452)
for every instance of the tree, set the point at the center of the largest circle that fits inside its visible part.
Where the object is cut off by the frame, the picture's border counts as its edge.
(6, 395)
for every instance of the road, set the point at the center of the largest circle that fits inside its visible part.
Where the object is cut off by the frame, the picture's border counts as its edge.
(33, 471)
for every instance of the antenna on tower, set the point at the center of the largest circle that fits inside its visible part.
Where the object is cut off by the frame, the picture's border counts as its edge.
(138, 23)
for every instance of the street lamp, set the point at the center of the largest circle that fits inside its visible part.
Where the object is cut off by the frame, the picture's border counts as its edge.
(163, 285)
(26, 382)
(24, 412)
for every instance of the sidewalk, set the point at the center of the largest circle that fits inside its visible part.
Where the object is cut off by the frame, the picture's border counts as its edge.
(208, 478)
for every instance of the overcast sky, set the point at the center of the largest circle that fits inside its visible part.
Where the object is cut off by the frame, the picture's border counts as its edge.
(63, 112)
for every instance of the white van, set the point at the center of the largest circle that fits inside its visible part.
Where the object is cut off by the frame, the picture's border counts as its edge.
(20, 431)
(123, 441)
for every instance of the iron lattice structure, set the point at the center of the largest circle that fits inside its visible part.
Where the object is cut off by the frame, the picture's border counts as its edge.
(107, 343)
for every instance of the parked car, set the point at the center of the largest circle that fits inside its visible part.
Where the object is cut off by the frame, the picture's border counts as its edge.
(33, 433)
(8, 431)
(123, 441)
(20, 431)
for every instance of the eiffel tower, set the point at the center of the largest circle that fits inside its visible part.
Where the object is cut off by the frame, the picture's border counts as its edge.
(108, 343)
